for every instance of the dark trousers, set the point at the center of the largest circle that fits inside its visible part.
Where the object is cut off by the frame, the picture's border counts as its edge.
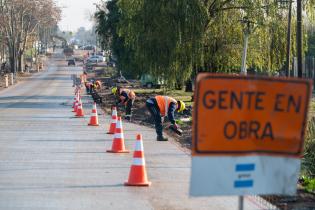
(88, 89)
(155, 113)
(129, 106)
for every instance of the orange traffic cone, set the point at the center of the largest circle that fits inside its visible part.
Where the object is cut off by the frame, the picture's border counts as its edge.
(94, 117)
(138, 173)
(118, 145)
(113, 121)
(74, 100)
(77, 89)
(80, 112)
(75, 108)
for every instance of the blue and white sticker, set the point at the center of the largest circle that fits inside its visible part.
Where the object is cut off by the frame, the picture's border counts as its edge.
(246, 175)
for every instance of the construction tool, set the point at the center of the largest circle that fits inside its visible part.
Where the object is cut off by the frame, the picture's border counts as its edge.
(176, 130)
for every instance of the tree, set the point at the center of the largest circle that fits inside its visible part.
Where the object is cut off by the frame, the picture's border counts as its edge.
(107, 29)
(176, 39)
(85, 37)
(22, 18)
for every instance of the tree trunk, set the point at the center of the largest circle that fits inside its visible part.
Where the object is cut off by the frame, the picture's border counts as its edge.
(12, 58)
(12, 63)
(189, 86)
(20, 62)
(31, 67)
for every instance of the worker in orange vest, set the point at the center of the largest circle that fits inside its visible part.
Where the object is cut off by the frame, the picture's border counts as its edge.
(83, 77)
(96, 85)
(87, 85)
(125, 97)
(161, 106)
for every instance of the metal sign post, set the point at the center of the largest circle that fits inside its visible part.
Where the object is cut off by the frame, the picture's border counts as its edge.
(241, 202)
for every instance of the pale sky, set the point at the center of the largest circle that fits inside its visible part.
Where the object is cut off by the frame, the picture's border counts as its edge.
(76, 13)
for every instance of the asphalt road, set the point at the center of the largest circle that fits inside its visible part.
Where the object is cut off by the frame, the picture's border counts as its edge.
(51, 160)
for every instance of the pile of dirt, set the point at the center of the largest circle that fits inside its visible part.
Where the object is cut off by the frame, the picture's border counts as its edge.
(141, 116)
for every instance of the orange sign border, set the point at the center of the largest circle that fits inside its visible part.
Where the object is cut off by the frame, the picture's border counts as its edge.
(211, 76)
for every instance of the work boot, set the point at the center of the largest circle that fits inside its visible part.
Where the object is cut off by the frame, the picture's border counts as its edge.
(161, 138)
(128, 118)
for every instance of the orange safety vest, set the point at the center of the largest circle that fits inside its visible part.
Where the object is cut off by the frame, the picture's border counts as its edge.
(83, 78)
(164, 103)
(130, 93)
(88, 84)
(98, 84)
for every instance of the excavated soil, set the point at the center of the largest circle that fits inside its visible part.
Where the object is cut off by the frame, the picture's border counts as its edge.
(140, 115)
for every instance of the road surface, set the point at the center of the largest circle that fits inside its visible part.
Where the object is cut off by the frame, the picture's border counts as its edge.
(51, 160)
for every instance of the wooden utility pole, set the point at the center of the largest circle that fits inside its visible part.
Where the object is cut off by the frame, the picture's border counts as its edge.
(287, 64)
(299, 37)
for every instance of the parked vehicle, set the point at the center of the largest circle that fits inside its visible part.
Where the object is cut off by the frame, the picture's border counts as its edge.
(89, 66)
(88, 47)
(111, 64)
(68, 51)
(150, 81)
(71, 62)
(95, 59)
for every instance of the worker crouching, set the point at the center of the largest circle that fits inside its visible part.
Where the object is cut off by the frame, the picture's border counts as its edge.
(88, 86)
(161, 106)
(92, 86)
(95, 86)
(125, 97)
(83, 77)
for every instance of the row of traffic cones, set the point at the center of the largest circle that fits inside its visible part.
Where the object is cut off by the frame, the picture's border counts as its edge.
(78, 109)
(118, 145)
(137, 175)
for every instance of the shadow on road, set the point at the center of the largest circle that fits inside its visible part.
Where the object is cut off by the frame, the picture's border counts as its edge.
(30, 105)
(101, 140)
(35, 97)
(60, 187)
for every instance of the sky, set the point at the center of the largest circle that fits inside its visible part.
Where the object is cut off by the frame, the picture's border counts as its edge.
(76, 14)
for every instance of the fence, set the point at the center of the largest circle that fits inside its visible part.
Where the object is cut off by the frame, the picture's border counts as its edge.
(308, 70)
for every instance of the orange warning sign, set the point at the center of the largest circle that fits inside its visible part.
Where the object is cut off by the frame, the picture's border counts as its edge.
(239, 115)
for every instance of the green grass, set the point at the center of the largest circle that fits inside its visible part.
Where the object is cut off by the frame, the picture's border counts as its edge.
(308, 183)
(148, 91)
(107, 71)
(308, 159)
(178, 93)
(181, 95)
(179, 122)
(312, 108)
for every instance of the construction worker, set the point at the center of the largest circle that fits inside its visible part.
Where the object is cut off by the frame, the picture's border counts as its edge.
(161, 106)
(97, 85)
(89, 86)
(126, 97)
(83, 77)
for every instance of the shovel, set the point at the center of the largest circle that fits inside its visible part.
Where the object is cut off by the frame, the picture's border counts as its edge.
(178, 131)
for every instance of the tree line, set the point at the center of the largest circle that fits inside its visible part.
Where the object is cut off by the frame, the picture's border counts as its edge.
(176, 39)
(23, 25)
